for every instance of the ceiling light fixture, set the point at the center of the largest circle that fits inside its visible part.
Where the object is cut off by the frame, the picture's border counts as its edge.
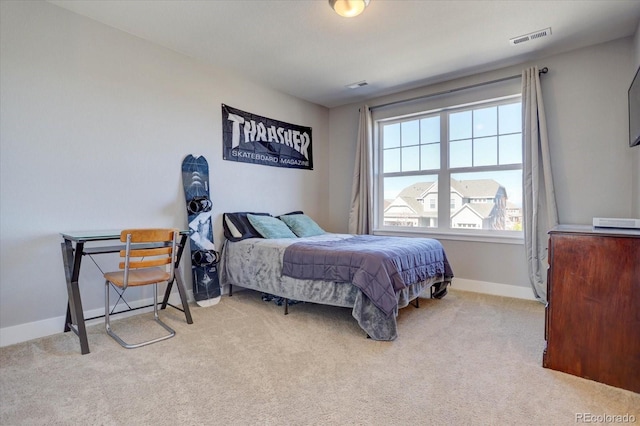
(349, 8)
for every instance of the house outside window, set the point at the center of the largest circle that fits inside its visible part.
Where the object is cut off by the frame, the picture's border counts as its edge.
(457, 169)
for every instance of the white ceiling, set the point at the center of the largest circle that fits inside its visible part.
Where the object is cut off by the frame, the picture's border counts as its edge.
(303, 48)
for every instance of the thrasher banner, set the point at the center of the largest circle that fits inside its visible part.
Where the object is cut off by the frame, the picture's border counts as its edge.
(250, 138)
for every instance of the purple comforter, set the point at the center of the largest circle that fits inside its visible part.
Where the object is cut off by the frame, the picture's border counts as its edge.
(378, 266)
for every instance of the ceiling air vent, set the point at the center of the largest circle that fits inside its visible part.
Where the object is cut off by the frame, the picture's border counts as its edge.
(356, 85)
(530, 36)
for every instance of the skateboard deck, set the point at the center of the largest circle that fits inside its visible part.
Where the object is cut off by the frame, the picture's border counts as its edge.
(204, 257)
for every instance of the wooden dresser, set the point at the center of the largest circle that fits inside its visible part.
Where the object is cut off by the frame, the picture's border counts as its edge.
(592, 319)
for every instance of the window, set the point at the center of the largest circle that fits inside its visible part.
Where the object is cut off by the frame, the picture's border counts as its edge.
(454, 169)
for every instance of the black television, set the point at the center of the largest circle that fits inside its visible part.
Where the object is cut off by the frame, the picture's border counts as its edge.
(634, 110)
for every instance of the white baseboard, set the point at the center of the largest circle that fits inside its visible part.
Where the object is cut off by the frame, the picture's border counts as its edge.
(495, 289)
(33, 330)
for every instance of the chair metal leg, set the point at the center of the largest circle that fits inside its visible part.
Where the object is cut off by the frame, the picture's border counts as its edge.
(117, 338)
(155, 315)
(107, 324)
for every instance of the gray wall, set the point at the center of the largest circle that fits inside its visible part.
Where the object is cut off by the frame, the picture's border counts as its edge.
(635, 175)
(586, 107)
(95, 124)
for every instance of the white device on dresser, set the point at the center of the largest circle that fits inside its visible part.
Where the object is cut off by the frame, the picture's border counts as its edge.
(611, 222)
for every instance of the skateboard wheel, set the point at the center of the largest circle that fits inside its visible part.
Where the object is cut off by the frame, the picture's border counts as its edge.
(204, 257)
(199, 205)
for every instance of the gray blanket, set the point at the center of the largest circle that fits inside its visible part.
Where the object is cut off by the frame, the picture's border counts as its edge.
(378, 266)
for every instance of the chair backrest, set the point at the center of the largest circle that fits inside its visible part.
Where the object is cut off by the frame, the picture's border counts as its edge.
(148, 248)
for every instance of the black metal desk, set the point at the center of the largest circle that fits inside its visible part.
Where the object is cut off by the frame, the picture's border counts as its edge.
(72, 259)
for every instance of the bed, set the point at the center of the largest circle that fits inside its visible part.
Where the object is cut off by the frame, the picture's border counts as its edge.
(375, 276)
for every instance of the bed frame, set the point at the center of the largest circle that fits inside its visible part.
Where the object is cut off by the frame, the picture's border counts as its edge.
(436, 291)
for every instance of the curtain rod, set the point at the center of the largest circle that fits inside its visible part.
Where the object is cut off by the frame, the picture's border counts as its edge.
(445, 92)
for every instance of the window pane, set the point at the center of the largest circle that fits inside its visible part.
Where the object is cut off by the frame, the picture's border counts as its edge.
(511, 149)
(391, 160)
(487, 200)
(430, 156)
(430, 130)
(510, 118)
(391, 135)
(485, 151)
(485, 122)
(411, 159)
(408, 201)
(460, 154)
(410, 133)
(460, 125)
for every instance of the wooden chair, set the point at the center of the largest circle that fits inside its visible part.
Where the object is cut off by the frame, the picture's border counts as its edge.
(149, 258)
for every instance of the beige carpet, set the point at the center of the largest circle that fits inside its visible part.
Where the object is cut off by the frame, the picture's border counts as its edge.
(468, 359)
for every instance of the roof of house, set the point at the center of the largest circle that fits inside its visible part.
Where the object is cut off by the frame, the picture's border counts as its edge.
(481, 209)
(476, 188)
(472, 188)
(416, 189)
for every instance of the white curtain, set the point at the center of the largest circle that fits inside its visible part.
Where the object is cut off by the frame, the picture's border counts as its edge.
(361, 213)
(540, 211)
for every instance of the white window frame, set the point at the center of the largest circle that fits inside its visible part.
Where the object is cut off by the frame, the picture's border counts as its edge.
(444, 229)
